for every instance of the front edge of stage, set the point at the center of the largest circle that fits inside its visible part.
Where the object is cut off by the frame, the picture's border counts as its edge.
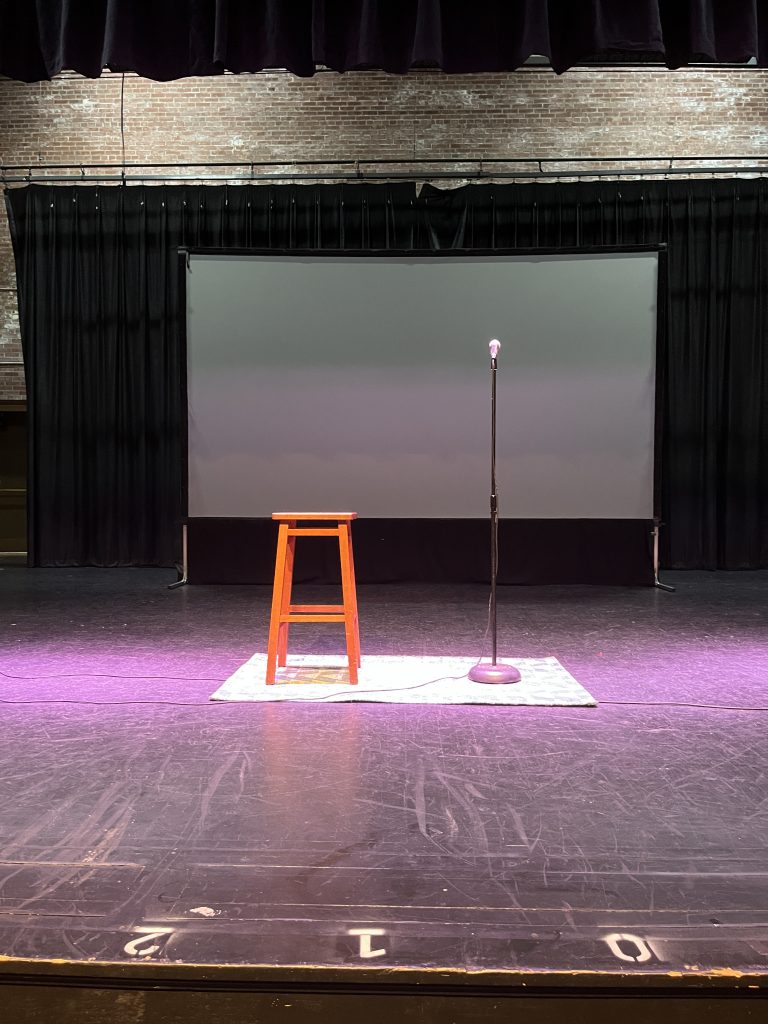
(615, 552)
(40, 989)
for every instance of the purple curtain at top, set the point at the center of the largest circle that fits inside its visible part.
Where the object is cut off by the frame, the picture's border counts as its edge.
(167, 39)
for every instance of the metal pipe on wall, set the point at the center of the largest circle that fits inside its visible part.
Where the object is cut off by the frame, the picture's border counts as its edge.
(493, 169)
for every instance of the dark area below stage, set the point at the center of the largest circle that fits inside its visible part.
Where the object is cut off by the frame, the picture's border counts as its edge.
(141, 823)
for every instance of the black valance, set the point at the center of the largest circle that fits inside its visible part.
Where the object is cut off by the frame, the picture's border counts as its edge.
(169, 39)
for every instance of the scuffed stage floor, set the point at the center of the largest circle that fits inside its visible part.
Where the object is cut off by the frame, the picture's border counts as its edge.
(142, 823)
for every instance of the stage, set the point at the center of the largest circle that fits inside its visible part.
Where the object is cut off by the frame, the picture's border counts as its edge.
(166, 857)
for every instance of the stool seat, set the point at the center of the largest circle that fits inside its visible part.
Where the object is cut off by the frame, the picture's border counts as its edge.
(306, 516)
(285, 613)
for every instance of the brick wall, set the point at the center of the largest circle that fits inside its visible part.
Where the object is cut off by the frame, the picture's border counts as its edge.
(370, 116)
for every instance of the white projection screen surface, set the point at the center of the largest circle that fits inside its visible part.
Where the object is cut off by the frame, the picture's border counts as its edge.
(362, 383)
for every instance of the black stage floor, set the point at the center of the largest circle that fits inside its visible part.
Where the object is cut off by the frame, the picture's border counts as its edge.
(153, 842)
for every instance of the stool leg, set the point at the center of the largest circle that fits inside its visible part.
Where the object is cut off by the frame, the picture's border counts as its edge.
(277, 600)
(347, 589)
(282, 641)
(354, 593)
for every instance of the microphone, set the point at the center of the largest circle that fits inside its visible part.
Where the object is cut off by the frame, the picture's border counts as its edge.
(493, 348)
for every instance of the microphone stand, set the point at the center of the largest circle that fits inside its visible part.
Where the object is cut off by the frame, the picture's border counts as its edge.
(494, 673)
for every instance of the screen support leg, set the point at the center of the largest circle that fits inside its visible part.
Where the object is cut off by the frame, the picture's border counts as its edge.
(656, 581)
(184, 578)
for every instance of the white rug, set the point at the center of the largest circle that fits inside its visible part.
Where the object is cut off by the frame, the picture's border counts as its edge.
(387, 679)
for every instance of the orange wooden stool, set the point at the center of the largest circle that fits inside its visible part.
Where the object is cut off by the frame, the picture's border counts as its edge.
(284, 613)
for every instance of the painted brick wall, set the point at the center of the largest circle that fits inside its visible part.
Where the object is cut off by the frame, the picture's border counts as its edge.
(366, 116)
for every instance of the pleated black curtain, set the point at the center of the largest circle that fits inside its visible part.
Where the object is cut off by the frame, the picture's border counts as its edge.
(169, 39)
(713, 356)
(100, 306)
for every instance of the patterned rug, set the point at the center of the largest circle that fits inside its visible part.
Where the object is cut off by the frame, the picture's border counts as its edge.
(322, 679)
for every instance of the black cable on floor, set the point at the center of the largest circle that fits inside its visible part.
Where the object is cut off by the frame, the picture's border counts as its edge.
(315, 700)
(678, 704)
(343, 693)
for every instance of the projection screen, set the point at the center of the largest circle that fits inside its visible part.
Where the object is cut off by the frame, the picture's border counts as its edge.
(362, 382)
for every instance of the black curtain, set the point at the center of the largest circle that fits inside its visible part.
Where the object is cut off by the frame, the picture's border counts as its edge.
(168, 39)
(99, 309)
(99, 306)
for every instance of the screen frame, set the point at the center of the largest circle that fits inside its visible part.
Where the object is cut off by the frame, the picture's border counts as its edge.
(184, 254)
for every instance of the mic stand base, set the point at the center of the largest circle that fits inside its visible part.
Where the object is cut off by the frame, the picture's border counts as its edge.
(494, 674)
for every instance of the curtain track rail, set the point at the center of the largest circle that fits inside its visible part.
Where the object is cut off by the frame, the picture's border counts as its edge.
(495, 169)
